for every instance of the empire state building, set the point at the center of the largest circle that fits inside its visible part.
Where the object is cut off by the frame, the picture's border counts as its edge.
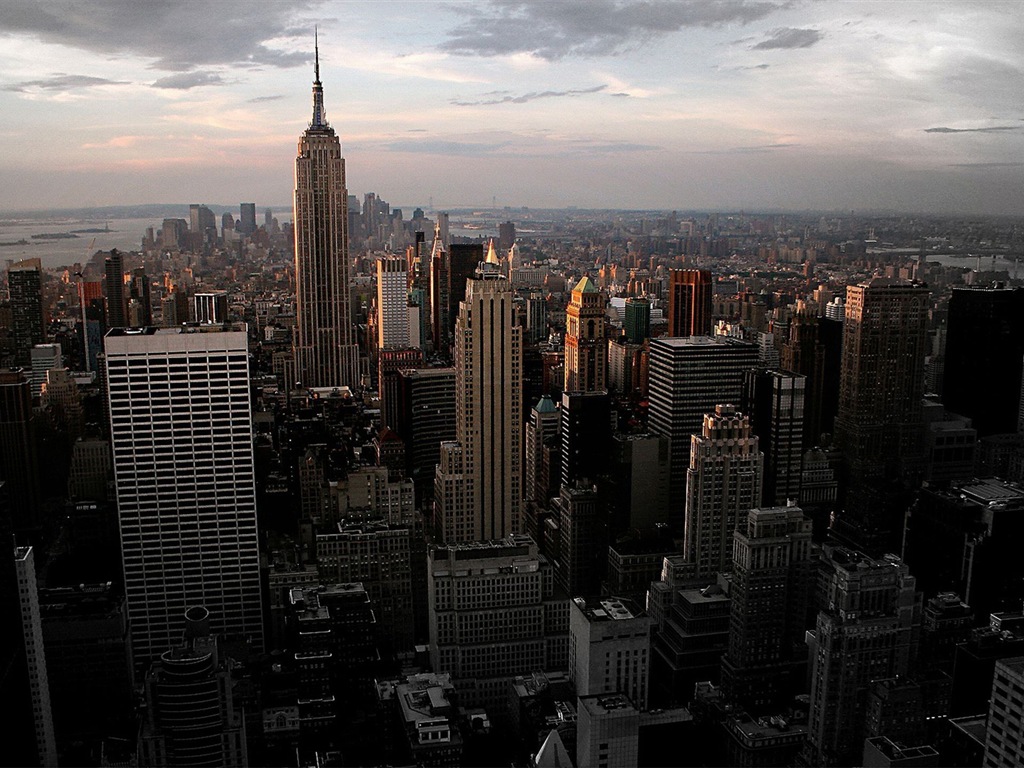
(325, 355)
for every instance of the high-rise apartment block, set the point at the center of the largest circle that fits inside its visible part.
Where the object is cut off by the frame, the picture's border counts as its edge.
(494, 614)
(723, 482)
(181, 434)
(586, 352)
(689, 302)
(24, 281)
(325, 353)
(478, 488)
(688, 378)
(866, 632)
(772, 568)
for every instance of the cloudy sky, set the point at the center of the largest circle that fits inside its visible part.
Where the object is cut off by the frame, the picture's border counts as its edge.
(716, 104)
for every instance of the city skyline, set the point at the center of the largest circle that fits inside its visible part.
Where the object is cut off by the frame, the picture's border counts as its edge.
(684, 105)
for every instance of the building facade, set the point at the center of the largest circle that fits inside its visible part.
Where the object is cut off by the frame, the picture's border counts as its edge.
(586, 353)
(689, 302)
(723, 482)
(325, 353)
(181, 435)
(478, 487)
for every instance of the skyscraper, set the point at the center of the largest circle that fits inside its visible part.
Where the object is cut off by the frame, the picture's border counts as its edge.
(879, 426)
(19, 463)
(689, 302)
(984, 349)
(117, 300)
(478, 487)
(774, 401)
(24, 280)
(247, 221)
(772, 568)
(325, 355)
(722, 483)
(637, 321)
(866, 633)
(688, 378)
(392, 304)
(181, 434)
(586, 348)
(426, 417)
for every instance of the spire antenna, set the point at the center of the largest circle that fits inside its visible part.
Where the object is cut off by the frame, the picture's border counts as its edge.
(316, 54)
(319, 114)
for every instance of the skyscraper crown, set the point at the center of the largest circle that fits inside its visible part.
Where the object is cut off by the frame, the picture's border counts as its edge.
(319, 121)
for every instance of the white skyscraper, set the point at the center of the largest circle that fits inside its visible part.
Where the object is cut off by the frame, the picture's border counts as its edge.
(392, 303)
(181, 433)
(479, 482)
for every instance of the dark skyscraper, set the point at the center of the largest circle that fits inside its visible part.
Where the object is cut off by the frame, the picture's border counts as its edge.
(506, 235)
(637, 322)
(689, 302)
(27, 323)
(688, 378)
(772, 566)
(984, 351)
(879, 426)
(247, 222)
(774, 400)
(117, 301)
(463, 259)
(19, 467)
(325, 354)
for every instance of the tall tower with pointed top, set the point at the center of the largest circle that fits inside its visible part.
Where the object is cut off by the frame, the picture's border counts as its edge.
(325, 355)
(585, 342)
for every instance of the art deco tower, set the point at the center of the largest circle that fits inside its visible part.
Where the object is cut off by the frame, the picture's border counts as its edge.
(325, 355)
(585, 343)
(478, 486)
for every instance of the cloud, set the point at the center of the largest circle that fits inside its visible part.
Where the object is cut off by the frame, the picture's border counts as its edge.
(116, 142)
(186, 80)
(178, 36)
(511, 144)
(986, 165)
(261, 99)
(756, 149)
(554, 30)
(789, 38)
(990, 129)
(528, 97)
(62, 82)
(446, 147)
